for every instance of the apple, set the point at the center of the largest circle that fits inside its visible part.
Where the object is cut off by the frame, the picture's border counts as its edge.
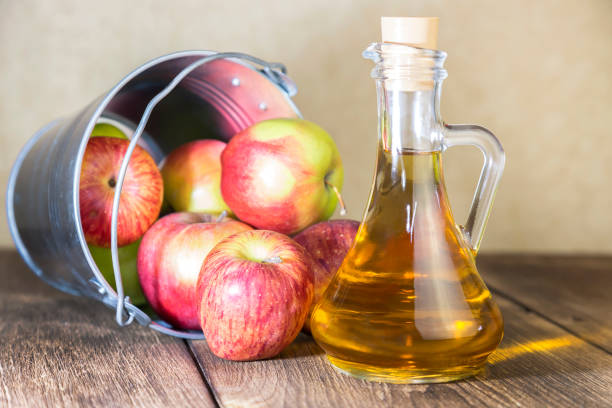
(281, 175)
(169, 261)
(141, 195)
(328, 243)
(107, 130)
(128, 257)
(192, 177)
(254, 291)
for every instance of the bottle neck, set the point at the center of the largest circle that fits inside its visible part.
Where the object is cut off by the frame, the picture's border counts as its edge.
(409, 120)
(409, 82)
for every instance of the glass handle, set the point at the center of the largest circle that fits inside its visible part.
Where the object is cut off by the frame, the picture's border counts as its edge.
(492, 169)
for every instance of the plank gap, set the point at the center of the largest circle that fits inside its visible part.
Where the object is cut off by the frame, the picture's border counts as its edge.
(202, 372)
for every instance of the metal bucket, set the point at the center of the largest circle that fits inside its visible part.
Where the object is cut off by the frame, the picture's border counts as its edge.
(174, 99)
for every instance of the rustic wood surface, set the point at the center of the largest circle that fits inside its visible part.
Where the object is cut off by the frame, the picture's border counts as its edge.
(575, 292)
(60, 350)
(537, 364)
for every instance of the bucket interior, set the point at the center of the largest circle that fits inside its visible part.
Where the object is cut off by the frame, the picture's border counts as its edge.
(215, 101)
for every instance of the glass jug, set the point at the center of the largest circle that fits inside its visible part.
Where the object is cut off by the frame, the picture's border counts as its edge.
(408, 305)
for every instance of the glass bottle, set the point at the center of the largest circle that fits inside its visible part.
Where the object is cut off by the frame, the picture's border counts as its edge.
(408, 305)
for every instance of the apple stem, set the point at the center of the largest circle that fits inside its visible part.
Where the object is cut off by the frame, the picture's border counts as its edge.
(339, 196)
(222, 216)
(273, 260)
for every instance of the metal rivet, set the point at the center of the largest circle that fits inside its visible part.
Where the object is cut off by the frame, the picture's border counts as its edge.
(236, 81)
(263, 106)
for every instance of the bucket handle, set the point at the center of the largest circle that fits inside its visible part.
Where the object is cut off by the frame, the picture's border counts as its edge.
(273, 70)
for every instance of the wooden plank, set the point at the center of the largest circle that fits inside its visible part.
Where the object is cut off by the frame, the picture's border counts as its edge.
(61, 350)
(537, 364)
(573, 291)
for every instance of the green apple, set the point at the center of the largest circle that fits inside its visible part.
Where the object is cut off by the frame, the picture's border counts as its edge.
(128, 260)
(107, 130)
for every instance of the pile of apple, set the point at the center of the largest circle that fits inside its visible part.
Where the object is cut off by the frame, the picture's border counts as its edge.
(244, 250)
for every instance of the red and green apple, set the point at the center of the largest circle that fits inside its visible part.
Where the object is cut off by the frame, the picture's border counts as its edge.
(170, 258)
(254, 292)
(192, 177)
(281, 175)
(141, 196)
(328, 243)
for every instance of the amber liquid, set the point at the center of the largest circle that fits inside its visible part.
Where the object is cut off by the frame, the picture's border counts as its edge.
(407, 305)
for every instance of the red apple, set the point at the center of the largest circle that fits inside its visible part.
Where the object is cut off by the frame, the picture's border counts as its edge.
(141, 195)
(254, 291)
(328, 243)
(169, 261)
(281, 175)
(192, 177)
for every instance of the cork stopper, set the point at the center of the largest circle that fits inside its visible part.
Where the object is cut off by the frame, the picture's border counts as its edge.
(421, 32)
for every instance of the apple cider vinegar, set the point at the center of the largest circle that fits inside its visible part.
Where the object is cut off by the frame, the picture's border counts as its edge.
(407, 304)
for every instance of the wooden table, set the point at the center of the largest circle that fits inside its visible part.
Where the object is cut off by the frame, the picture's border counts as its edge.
(61, 350)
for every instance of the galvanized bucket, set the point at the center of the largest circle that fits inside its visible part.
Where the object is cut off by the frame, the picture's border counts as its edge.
(162, 104)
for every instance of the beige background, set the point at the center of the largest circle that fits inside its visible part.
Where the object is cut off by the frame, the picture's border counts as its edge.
(537, 73)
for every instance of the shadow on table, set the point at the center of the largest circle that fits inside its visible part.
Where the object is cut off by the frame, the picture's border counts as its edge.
(302, 346)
